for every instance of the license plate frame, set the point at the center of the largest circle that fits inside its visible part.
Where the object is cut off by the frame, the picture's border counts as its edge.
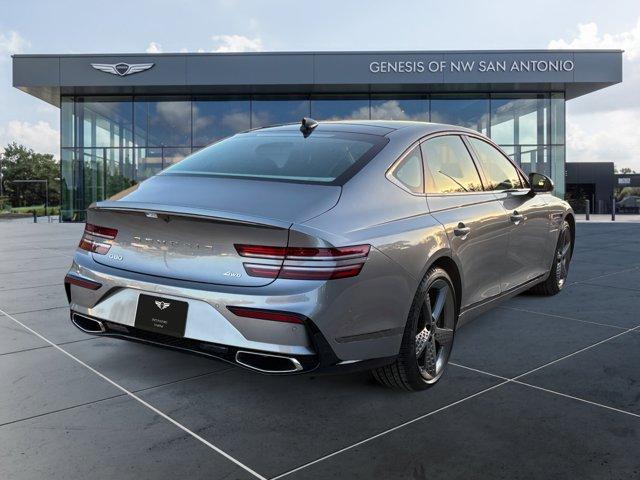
(161, 315)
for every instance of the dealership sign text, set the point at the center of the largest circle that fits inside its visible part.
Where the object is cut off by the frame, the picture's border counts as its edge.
(471, 66)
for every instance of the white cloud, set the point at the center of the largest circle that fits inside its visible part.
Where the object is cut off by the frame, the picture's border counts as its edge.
(602, 126)
(232, 43)
(236, 43)
(154, 47)
(588, 37)
(12, 43)
(613, 138)
(40, 136)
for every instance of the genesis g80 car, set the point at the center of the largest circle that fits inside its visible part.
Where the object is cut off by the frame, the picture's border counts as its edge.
(322, 246)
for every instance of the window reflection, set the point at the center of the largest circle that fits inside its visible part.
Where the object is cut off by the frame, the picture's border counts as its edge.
(104, 123)
(111, 142)
(163, 122)
(173, 155)
(465, 112)
(519, 120)
(450, 166)
(557, 118)
(216, 119)
(276, 112)
(67, 122)
(148, 162)
(339, 109)
(400, 109)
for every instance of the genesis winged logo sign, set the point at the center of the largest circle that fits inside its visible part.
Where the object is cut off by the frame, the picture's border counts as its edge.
(162, 305)
(122, 69)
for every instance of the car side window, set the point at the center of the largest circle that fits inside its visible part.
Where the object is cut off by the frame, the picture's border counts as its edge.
(450, 166)
(499, 172)
(409, 172)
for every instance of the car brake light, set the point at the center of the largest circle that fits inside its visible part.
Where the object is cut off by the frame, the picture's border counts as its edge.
(98, 231)
(322, 263)
(272, 315)
(260, 251)
(93, 238)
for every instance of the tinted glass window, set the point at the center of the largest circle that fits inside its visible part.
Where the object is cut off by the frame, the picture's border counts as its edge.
(451, 167)
(500, 172)
(520, 121)
(400, 109)
(322, 157)
(277, 112)
(352, 109)
(216, 119)
(409, 171)
(470, 113)
(163, 123)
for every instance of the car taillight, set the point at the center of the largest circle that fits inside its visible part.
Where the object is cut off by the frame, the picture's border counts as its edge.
(93, 238)
(305, 263)
(272, 315)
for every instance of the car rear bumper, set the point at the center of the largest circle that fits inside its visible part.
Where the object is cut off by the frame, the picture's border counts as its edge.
(262, 361)
(343, 323)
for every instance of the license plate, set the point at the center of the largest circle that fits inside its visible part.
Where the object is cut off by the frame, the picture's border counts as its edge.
(162, 315)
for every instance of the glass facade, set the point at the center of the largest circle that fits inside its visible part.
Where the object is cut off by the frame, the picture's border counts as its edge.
(110, 143)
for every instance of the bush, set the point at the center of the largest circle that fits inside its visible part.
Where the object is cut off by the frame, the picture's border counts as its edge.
(53, 210)
(627, 191)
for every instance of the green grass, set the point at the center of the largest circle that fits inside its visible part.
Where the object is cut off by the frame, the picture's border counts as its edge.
(38, 208)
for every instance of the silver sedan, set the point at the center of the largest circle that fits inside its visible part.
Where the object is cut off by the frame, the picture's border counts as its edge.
(322, 246)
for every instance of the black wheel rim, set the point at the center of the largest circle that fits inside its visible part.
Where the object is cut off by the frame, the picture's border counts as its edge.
(563, 256)
(434, 334)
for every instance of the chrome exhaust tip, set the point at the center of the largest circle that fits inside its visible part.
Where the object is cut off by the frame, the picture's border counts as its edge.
(267, 363)
(88, 325)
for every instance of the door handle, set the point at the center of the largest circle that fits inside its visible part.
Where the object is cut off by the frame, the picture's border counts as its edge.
(516, 217)
(461, 231)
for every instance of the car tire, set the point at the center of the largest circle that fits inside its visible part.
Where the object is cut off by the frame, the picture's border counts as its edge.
(557, 278)
(428, 336)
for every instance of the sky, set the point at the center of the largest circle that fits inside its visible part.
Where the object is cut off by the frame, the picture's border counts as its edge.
(602, 126)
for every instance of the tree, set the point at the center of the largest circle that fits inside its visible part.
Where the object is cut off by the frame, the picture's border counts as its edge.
(21, 163)
(626, 191)
(626, 170)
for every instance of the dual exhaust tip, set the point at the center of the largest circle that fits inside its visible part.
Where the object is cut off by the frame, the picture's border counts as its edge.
(261, 362)
(88, 325)
(268, 363)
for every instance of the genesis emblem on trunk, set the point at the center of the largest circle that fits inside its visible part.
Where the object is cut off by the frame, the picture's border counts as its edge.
(162, 305)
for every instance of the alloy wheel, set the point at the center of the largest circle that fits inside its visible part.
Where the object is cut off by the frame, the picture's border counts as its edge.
(434, 337)
(563, 256)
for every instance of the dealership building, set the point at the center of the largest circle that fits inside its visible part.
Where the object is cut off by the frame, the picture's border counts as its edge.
(126, 117)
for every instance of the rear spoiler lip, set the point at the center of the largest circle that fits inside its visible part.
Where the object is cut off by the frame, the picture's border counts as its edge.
(193, 212)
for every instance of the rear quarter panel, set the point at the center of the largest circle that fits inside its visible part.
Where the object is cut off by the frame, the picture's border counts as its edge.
(405, 239)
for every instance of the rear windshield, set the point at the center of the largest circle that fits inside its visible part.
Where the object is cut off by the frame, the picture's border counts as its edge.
(323, 157)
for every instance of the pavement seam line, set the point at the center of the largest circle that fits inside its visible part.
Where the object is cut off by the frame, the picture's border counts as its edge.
(566, 395)
(389, 430)
(537, 387)
(35, 270)
(574, 353)
(145, 389)
(397, 427)
(562, 317)
(120, 395)
(607, 275)
(44, 346)
(141, 401)
(30, 286)
(38, 310)
(627, 289)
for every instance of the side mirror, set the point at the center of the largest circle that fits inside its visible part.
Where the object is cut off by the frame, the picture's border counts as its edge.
(540, 183)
